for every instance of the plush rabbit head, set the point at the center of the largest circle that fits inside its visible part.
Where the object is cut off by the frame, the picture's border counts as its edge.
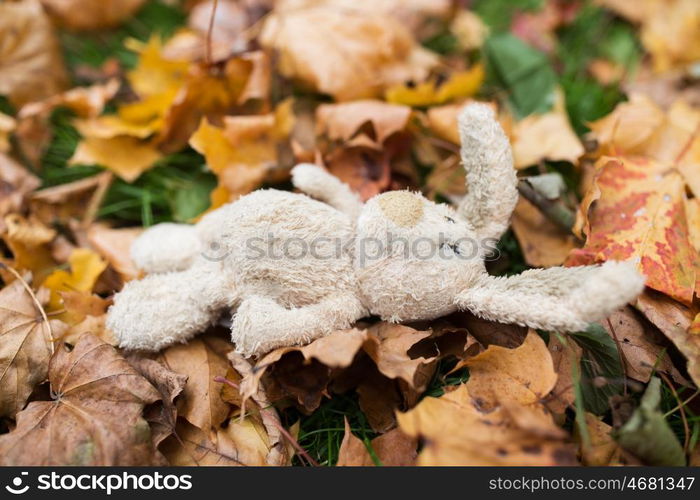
(292, 267)
(426, 251)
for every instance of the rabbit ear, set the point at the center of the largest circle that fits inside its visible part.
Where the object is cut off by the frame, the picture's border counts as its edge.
(491, 178)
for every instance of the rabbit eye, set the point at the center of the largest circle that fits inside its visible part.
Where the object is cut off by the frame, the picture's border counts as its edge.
(450, 219)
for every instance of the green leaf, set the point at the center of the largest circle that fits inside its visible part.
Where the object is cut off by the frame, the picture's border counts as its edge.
(647, 434)
(602, 373)
(498, 14)
(523, 71)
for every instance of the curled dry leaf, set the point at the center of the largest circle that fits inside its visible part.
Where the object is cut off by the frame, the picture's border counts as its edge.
(640, 215)
(642, 350)
(456, 432)
(344, 122)
(348, 54)
(391, 449)
(388, 365)
(161, 416)
(201, 360)
(91, 14)
(25, 345)
(674, 320)
(31, 66)
(543, 243)
(95, 418)
(336, 350)
(602, 449)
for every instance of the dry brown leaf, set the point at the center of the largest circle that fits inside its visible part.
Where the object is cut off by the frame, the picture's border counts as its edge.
(7, 126)
(674, 320)
(548, 136)
(490, 333)
(641, 352)
(389, 348)
(370, 360)
(95, 418)
(564, 358)
(214, 92)
(469, 29)
(442, 121)
(411, 13)
(307, 385)
(73, 200)
(83, 101)
(91, 14)
(93, 325)
(114, 245)
(456, 432)
(201, 360)
(16, 183)
(190, 446)
(344, 122)
(228, 30)
(668, 29)
(336, 51)
(523, 376)
(543, 243)
(31, 66)
(391, 449)
(365, 170)
(25, 346)
(641, 127)
(602, 450)
(163, 416)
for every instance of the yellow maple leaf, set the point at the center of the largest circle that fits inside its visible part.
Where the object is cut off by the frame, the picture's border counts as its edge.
(85, 267)
(125, 156)
(458, 86)
(154, 73)
(242, 152)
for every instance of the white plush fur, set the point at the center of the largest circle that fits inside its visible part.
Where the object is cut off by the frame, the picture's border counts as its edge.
(491, 179)
(246, 257)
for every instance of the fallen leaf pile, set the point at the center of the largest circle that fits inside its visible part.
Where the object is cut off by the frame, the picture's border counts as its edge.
(116, 115)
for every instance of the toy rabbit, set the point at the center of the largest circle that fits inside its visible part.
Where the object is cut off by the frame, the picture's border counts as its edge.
(294, 267)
